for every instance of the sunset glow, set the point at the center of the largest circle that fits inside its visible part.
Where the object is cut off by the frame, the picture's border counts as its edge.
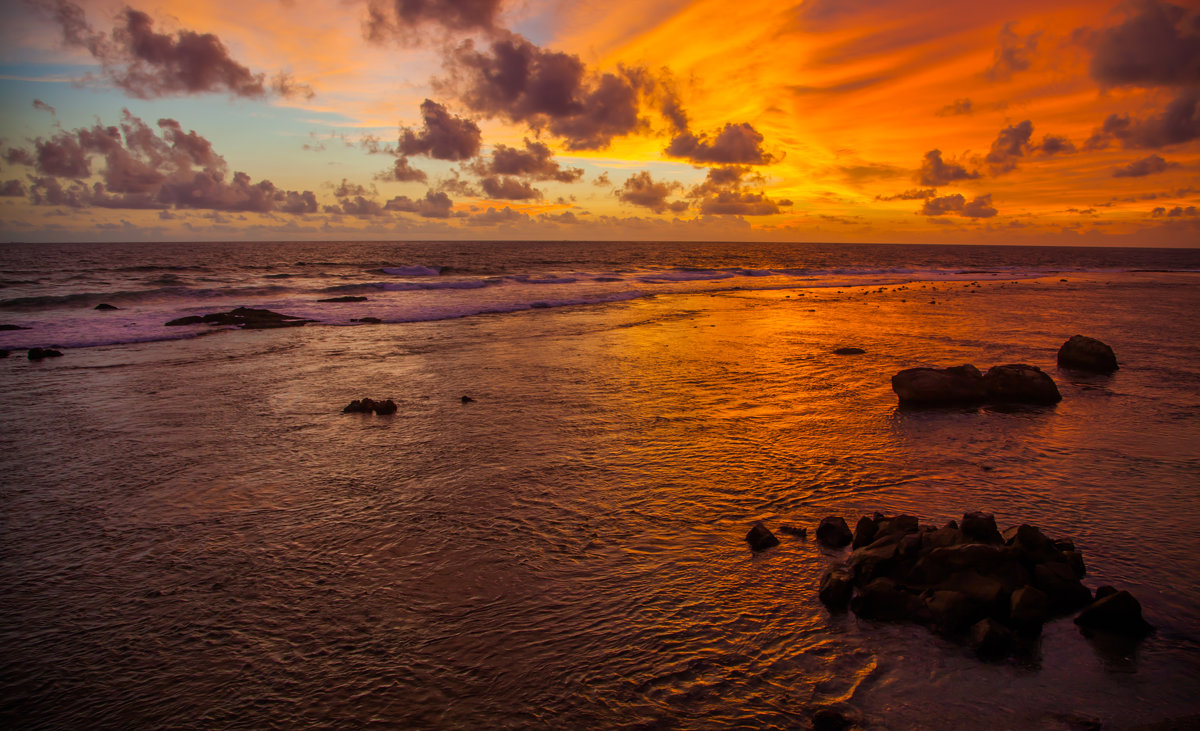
(1067, 122)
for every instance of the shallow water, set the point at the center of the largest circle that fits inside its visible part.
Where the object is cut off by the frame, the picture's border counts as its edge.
(195, 537)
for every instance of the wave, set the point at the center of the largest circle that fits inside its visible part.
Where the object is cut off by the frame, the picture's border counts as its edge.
(412, 271)
(87, 299)
(366, 287)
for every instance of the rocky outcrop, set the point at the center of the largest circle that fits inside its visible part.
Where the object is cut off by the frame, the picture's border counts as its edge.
(834, 532)
(760, 537)
(39, 353)
(1087, 354)
(367, 406)
(247, 318)
(964, 385)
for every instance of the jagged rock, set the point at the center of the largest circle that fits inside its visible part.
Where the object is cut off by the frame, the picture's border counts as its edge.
(980, 527)
(849, 351)
(834, 532)
(760, 537)
(1075, 561)
(103, 306)
(39, 353)
(1029, 607)
(347, 298)
(1087, 354)
(189, 320)
(987, 593)
(364, 406)
(991, 640)
(1104, 591)
(1019, 383)
(836, 588)
(1119, 613)
(864, 532)
(898, 525)
(383, 408)
(939, 386)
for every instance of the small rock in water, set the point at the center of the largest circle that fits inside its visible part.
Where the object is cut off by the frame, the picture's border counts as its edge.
(1087, 354)
(849, 351)
(939, 386)
(794, 530)
(39, 353)
(105, 307)
(467, 400)
(1119, 613)
(3, 353)
(828, 719)
(760, 537)
(7, 326)
(347, 298)
(383, 408)
(834, 532)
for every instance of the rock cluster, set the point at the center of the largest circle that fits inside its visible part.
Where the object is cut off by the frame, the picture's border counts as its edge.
(246, 318)
(965, 385)
(366, 406)
(968, 579)
(1087, 354)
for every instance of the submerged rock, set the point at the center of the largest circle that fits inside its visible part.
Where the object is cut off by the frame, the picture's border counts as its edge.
(849, 351)
(834, 532)
(8, 326)
(367, 406)
(1087, 354)
(1019, 383)
(247, 318)
(467, 400)
(939, 386)
(1118, 612)
(347, 298)
(3, 353)
(39, 353)
(760, 537)
(105, 307)
(367, 320)
(794, 530)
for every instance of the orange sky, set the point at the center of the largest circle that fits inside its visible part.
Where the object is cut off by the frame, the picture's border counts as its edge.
(825, 120)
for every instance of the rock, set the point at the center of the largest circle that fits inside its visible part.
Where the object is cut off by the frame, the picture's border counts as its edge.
(1119, 613)
(958, 385)
(898, 525)
(760, 537)
(1019, 383)
(356, 406)
(384, 408)
(942, 537)
(834, 532)
(1029, 607)
(849, 351)
(1087, 354)
(864, 532)
(794, 530)
(1061, 585)
(39, 353)
(986, 593)
(836, 588)
(3, 353)
(980, 527)
(828, 719)
(467, 400)
(950, 611)
(105, 307)
(1075, 561)
(368, 320)
(348, 298)
(1104, 591)
(7, 326)
(247, 318)
(991, 640)
(884, 599)
(939, 564)
(873, 561)
(189, 320)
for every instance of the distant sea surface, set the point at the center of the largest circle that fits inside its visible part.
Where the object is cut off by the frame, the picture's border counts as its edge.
(192, 534)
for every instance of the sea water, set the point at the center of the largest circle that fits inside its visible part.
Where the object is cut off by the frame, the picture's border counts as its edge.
(195, 536)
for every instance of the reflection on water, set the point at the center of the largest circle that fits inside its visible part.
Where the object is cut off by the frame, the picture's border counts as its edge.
(205, 541)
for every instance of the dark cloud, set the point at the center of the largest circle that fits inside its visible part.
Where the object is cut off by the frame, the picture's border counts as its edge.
(567, 217)
(358, 206)
(548, 90)
(346, 189)
(934, 171)
(443, 136)
(19, 156)
(1010, 145)
(1157, 45)
(602, 180)
(1146, 166)
(1176, 212)
(914, 194)
(298, 203)
(506, 188)
(403, 18)
(403, 172)
(147, 64)
(724, 192)
(12, 189)
(979, 207)
(1055, 145)
(1013, 53)
(734, 144)
(493, 217)
(1178, 123)
(43, 106)
(433, 205)
(535, 162)
(641, 190)
(957, 107)
(872, 171)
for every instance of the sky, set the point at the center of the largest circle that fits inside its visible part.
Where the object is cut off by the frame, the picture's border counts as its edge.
(909, 121)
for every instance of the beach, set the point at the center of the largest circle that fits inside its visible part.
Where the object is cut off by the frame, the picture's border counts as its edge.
(195, 535)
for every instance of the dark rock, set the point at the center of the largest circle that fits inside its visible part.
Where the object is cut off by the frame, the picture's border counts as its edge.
(247, 318)
(467, 400)
(189, 320)
(383, 408)
(884, 599)
(837, 586)
(1066, 545)
(939, 564)
(943, 537)
(794, 530)
(1061, 585)
(368, 320)
(980, 527)
(1075, 561)
(875, 560)
(991, 640)
(864, 532)
(1029, 607)
(1087, 354)
(1119, 613)
(950, 611)
(105, 307)
(7, 326)
(1032, 545)
(957, 385)
(3, 353)
(828, 719)
(760, 537)
(1019, 383)
(347, 298)
(1104, 591)
(849, 351)
(834, 532)
(39, 353)
(986, 593)
(364, 406)
(896, 525)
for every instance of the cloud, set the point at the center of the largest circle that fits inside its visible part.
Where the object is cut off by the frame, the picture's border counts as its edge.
(1013, 53)
(1146, 166)
(19, 156)
(934, 171)
(734, 144)
(1011, 144)
(724, 193)
(1178, 123)
(443, 136)
(346, 189)
(535, 162)
(548, 90)
(403, 172)
(957, 107)
(914, 194)
(12, 189)
(433, 205)
(403, 18)
(1055, 145)
(979, 207)
(1176, 212)
(493, 217)
(147, 64)
(602, 180)
(358, 206)
(641, 190)
(506, 188)
(1157, 45)
(43, 106)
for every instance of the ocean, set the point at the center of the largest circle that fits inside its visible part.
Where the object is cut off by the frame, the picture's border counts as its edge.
(195, 536)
